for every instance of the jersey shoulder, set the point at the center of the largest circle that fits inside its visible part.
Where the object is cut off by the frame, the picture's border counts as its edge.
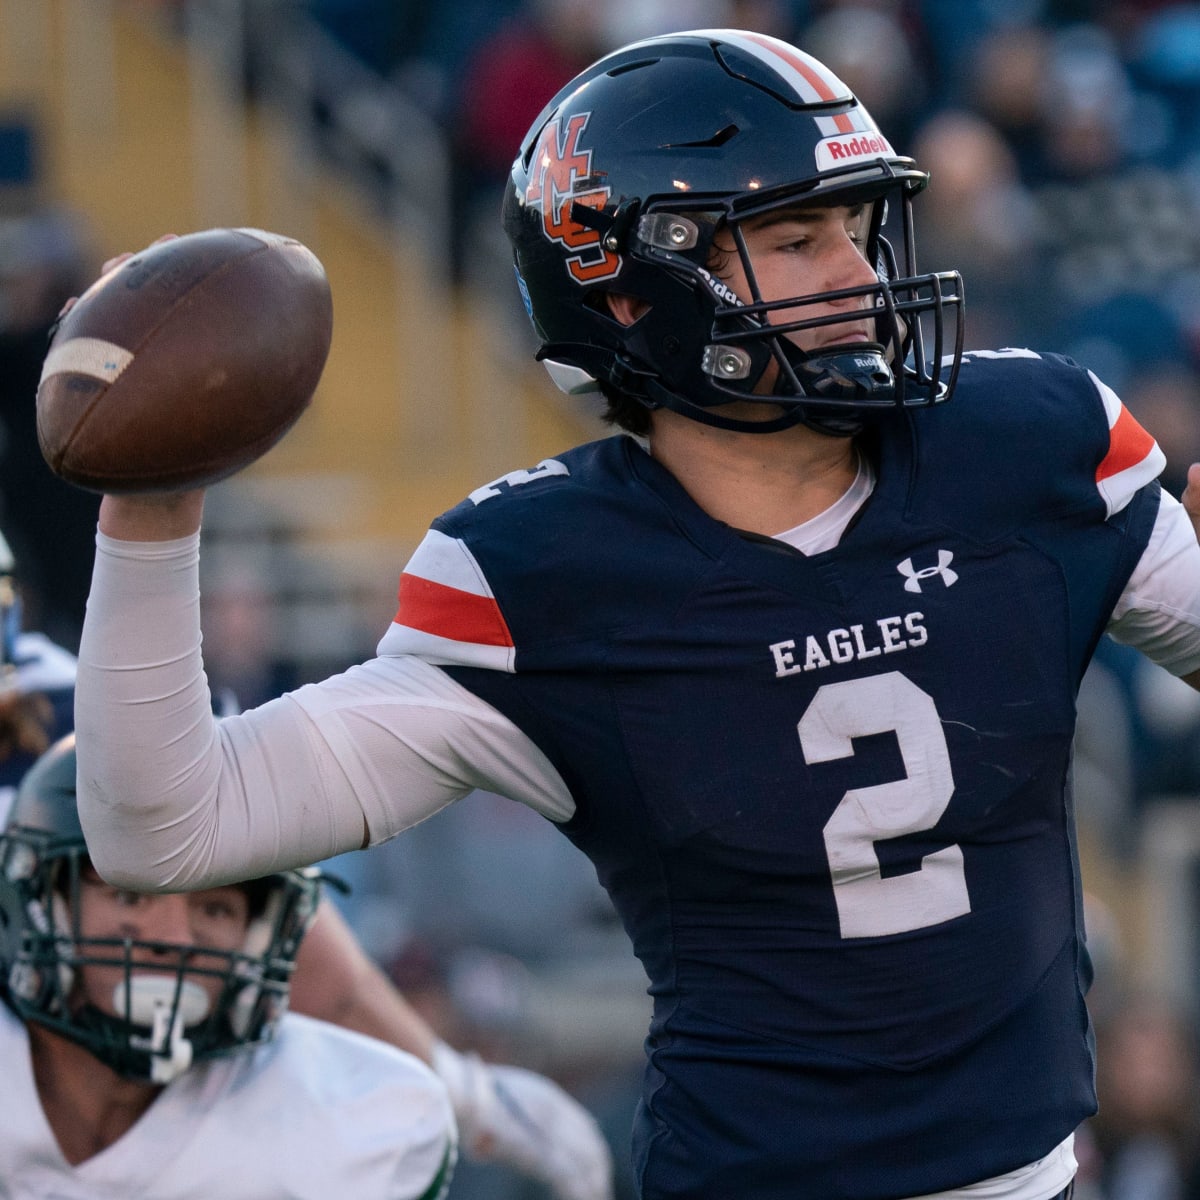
(565, 551)
(587, 483)
(1038, 434)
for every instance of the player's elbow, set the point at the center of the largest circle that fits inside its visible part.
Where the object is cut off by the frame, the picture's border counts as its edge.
(120, 856)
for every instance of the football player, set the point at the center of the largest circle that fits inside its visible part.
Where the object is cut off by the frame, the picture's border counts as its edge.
(505, 1114)
(792, 658)
(146, 1046)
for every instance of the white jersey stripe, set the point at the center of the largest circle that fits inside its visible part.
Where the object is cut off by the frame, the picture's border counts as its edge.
(447, 561)
(1134, 458)
(444, 651)
(811, 81)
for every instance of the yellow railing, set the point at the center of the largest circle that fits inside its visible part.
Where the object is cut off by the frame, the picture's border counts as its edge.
(141, 132)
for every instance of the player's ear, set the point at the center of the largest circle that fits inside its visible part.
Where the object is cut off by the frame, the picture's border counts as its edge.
(625, 308)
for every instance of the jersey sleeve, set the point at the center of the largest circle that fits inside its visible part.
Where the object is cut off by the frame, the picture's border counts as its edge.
(1035, 439)
(1133, 458)
(1159, 610)
(447, 612)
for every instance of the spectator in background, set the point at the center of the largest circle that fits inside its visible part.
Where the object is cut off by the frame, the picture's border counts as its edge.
(502, 86)
(42, 261)
(978, 215)
(1145, 1142)
(1004, 80)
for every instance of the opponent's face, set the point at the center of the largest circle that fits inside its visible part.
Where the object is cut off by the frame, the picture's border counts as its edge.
(804, 252)
(184, 925)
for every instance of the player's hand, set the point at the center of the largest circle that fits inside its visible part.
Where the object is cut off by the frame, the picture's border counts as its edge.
(111, 265)
(1191, 496)
(517, 1117)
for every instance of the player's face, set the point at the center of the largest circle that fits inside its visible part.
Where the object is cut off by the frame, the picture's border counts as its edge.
(800, 252)
(213, 919)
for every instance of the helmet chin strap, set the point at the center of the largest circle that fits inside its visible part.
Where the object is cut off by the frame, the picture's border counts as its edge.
(843, 373)
(658, 396)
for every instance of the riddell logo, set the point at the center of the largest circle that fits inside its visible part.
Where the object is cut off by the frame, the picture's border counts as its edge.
(843, 149)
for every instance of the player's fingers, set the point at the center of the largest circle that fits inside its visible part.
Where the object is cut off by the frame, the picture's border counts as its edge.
(113, 263)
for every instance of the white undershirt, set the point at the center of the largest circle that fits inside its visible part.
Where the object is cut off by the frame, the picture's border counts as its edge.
(825, 530)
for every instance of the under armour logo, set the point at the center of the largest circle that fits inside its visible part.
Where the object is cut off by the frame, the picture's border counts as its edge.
(912, 582)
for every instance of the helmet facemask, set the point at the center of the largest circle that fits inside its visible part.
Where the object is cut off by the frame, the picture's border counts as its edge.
(161, 1016)
(730, 347)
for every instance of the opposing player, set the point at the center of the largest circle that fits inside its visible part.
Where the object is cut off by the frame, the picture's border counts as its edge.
(505, 1114)
(795, 665)
(146, 1046)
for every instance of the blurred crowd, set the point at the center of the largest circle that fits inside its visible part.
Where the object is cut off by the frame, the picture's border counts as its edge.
(1063, 138)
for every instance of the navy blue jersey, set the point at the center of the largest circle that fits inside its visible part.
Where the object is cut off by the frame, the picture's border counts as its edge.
(828, 795)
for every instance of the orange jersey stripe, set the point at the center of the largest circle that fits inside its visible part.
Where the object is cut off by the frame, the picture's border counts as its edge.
(451, 613)
(1128, 444)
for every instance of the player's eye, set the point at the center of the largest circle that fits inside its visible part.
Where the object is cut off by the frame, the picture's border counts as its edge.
(224, 907)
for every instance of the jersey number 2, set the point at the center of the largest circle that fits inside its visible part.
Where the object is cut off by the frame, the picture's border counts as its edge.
(868, 904)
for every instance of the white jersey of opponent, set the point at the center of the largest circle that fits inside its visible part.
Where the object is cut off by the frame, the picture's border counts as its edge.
(316, 1113)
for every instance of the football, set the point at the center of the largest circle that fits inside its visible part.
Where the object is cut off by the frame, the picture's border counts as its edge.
(185, 363)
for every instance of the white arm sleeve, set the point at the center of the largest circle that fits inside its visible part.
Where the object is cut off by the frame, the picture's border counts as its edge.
(170, 798)
(1159, 610)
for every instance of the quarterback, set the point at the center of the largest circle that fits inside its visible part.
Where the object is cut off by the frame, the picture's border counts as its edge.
(792, 658)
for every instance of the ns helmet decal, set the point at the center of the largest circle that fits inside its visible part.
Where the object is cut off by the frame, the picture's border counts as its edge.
(561, 175)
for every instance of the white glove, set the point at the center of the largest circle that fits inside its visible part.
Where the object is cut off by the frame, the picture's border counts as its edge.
(522, 1119)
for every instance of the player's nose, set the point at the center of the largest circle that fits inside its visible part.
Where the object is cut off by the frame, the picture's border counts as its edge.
(167, 919)
(848, 269)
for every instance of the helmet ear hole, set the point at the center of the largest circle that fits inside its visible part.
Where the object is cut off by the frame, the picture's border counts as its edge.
(625, 309)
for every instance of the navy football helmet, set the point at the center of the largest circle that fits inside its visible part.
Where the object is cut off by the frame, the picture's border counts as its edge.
(166, 1020)
(631, 169)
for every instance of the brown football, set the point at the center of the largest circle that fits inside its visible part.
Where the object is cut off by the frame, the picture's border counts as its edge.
(186, 363)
